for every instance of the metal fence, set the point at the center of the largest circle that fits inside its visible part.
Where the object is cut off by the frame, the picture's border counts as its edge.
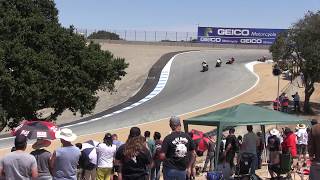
(149, 36)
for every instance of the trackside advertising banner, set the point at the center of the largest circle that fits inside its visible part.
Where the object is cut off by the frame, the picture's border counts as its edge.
(222, 35)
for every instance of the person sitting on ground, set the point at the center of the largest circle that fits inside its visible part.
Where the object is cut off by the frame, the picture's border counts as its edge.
(43, 158)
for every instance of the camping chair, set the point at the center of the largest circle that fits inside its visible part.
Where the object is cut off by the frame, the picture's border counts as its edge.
(244, 166)
(285, 166)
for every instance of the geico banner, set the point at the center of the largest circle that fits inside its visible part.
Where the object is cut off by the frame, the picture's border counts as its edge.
(220, 35)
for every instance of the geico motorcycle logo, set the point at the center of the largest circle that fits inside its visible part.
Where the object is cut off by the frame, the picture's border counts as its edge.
(209, 39)
(232, 32)
(251, 41)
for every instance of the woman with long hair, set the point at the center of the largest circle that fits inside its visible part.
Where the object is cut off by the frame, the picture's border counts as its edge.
(105, 156)
(134, 157)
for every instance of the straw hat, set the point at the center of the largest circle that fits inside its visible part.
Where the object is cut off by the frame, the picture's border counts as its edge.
(66, 134)
(274, 132)
(41, 143)
(301, 126)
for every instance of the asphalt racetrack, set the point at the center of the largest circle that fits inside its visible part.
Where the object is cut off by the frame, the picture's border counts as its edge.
(187, 89)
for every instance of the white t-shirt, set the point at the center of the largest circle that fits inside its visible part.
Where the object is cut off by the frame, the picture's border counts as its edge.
(302, 136)
(105, 155)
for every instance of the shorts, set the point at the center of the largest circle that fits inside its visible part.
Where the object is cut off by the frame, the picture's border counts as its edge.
(302, 149)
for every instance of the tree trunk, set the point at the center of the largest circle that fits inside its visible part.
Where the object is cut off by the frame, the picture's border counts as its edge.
(309, 88)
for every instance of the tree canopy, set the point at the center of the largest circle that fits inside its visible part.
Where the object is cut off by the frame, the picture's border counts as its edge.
(104, 35)
(301, 44)
(44, 65)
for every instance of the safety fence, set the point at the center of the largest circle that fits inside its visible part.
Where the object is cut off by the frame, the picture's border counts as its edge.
(147, 36)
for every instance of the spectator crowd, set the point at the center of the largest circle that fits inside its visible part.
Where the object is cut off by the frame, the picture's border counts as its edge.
(173, 158)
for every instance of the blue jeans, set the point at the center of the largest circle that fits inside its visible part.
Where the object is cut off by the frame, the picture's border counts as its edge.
(174, 174)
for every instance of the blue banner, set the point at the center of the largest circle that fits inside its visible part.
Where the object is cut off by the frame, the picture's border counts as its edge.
(221, 35)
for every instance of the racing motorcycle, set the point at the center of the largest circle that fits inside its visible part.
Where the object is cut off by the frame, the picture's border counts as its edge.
(205, 66)
(230, 61)
(219, 63)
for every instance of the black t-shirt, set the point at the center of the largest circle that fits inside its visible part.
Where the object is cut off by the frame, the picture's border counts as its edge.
(177, 146)
(134, 168)
(232, 139)
(274, 143)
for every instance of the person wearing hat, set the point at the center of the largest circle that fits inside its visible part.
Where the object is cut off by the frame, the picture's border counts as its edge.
(176, 150)
(43, 158)
(105, 154)
(19, 164)
(274, 151)
(65, 159)
(302, 137)
(133, 157)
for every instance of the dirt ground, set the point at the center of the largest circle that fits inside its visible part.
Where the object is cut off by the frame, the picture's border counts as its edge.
(262, 94)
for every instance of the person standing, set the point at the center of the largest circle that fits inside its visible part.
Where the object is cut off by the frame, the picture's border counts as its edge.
(150, 142)
(249, 145)
(274, 151)
(296, 102)
(177, 152)
(302, 137)
(64, 160)
(314, 151)
(133, 157)
(210, 154)
(105, 157)
(155, 171)
(289, 144)
(43, 158)
(115, 141)
(19, 165)
(260, 149)
(231, 147)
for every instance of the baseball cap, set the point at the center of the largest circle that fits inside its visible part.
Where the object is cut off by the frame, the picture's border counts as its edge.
(134, 132)
(20, 141)
(175, 121)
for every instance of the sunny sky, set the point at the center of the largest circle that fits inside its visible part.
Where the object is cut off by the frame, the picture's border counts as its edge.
(181, 15)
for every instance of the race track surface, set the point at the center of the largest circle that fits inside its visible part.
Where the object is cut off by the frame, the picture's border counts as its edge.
(187, 89)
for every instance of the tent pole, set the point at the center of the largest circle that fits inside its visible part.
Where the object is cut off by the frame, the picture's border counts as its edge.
(218, 142)
(185, 124)
(263, 130)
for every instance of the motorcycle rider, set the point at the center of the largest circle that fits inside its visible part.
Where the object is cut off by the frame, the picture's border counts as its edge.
(219, 62)
(204, 65)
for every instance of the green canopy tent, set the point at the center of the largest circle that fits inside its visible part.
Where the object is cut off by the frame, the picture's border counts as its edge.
(241, 115)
